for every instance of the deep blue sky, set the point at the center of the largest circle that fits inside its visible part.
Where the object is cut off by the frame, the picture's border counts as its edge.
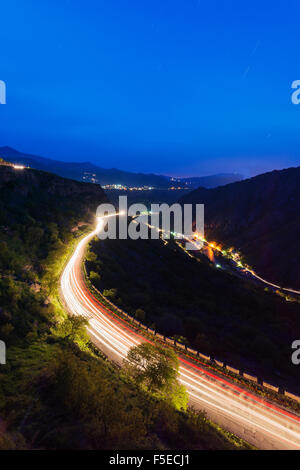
(178, 87)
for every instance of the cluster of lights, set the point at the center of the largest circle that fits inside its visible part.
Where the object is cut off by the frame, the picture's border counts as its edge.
(121, 187)
(176, 188)
(92, 177)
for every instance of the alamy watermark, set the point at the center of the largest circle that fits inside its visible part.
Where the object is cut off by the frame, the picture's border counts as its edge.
(296, 354)
(2, 92)
(2, 352)
(179, 222)
(296, 94)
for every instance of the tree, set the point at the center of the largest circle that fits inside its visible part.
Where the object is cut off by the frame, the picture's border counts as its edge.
(155, 369)
(91, 256)
(73, 328)
(94, 277)
(110, 293)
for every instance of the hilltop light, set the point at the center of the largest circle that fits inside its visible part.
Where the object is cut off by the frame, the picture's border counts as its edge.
(18, 167)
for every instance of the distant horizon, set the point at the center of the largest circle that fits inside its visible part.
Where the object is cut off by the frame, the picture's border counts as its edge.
(169, 175)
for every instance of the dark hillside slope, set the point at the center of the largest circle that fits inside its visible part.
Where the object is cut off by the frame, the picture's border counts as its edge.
(46, 196)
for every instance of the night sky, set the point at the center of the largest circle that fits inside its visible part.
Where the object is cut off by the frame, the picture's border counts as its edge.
(179, 87)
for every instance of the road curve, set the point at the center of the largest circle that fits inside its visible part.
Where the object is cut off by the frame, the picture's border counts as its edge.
(261, 423)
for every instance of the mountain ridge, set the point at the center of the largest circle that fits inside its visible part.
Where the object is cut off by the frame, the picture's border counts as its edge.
(87, 171)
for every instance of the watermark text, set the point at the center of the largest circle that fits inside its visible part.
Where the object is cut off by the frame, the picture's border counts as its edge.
(181, 222)
(2, 92)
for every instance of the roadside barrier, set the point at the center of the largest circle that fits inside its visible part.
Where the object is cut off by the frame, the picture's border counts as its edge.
(271, 387)
(250, 377)
(292, 396)
(233, 370)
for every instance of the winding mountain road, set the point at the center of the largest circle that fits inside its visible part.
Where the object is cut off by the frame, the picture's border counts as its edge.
(259, 422)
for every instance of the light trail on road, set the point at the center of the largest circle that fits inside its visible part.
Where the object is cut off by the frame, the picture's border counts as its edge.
(259, 422)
